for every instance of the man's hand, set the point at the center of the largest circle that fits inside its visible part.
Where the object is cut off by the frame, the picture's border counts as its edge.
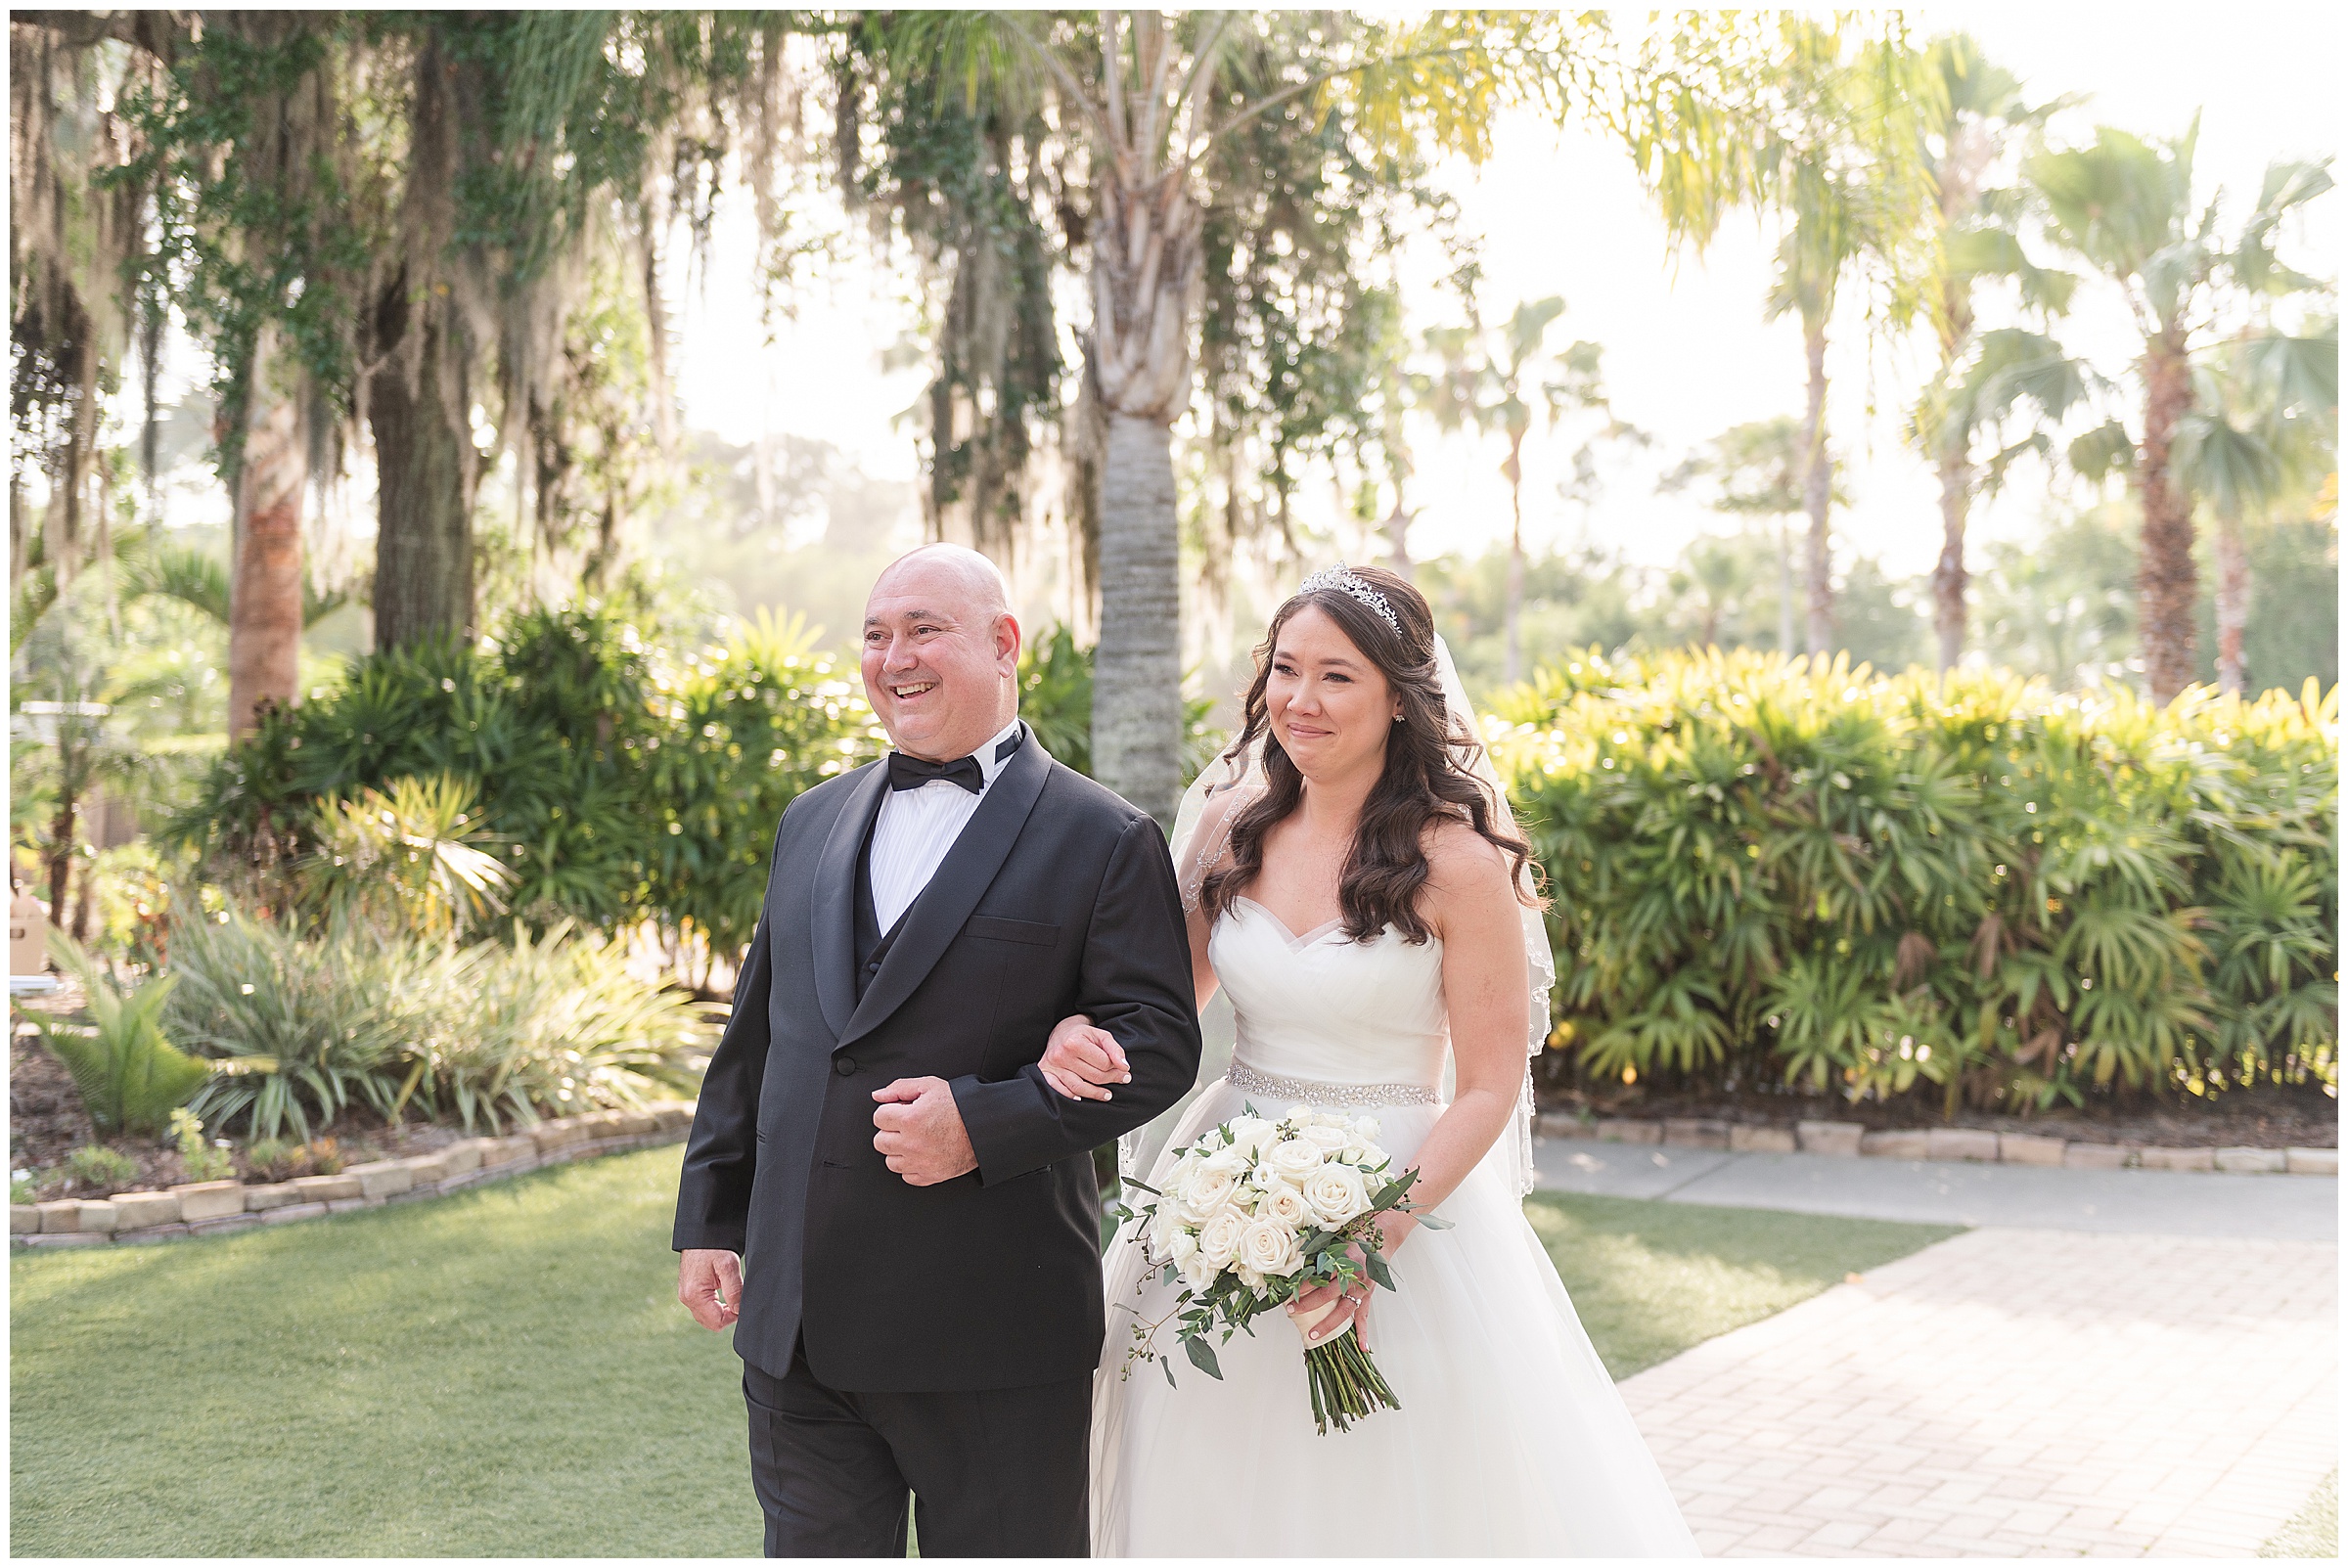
(1080, 1061)
(920, 1132)
(710, 1283)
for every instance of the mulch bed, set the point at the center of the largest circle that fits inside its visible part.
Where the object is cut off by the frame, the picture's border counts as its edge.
(2270, 1116)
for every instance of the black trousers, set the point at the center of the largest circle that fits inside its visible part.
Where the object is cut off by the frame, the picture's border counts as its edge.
(998, 1472)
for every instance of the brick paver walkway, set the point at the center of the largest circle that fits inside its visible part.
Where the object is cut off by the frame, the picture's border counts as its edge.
(2014, 1392)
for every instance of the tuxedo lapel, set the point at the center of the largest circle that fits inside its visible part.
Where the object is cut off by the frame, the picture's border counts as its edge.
(962, 878)
(834, 915)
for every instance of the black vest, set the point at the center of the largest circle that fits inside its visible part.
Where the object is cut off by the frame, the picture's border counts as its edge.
(871, 945)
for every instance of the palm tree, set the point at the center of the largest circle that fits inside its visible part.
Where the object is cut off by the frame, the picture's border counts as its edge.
(1152, 94)
(1499, 381)
(2126, 207)
(1758, 470)
(2266, 420)
(1981, 379)
(1842, 159)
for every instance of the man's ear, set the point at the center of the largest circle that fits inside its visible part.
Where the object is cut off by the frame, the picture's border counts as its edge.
(1008, 639)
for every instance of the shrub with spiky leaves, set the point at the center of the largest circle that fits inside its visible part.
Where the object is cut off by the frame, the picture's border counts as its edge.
(551, 1026)
(304, 1030)
(1977, 888)
(129, 1075)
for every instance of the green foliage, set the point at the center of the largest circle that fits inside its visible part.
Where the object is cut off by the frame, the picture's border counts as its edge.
(406, 861)
(1981, 890)
(485, 1035)
(555, 1024)
(100, 1169)
(736, 733)
(128, 1073)
(617, 785)
(198, 1159)
(304, 1030)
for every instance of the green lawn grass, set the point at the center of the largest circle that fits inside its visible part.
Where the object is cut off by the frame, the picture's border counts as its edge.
(1650, 1279)
(506, 1372)
(2316, 1531)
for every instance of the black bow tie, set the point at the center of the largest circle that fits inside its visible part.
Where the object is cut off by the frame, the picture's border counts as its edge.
(911, 773)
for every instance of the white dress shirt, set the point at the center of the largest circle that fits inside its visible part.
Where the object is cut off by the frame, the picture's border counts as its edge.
(916, 829)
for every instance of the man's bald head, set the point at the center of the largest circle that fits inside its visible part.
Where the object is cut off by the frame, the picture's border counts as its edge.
(941, 652)
(976, 577)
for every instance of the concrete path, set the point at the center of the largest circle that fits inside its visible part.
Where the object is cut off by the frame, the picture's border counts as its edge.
(2278, 1208)
(2114, 1363)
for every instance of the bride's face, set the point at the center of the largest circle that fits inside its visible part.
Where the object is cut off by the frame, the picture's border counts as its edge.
(1329, 705)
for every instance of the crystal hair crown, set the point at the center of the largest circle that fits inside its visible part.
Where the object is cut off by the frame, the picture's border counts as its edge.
(1341, 578)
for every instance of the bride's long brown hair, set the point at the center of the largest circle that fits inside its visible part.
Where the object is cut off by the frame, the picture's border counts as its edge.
(1425, 779)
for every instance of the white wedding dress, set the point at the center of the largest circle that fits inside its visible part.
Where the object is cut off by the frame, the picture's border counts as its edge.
(1510, 1440)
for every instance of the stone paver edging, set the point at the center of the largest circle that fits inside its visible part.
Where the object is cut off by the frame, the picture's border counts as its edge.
(1967, 1144)
(204, 1208)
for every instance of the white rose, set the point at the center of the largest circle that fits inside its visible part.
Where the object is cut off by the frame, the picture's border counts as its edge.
(1364, 1129)
(1251, 1279)
(1269, 1247)
(1336, 1193)
(1206, 1189)
(1219, 1238)
(1324, 1137)
(1250, 1134)
(1197, 1273)
(1286, 1205)
(1180, 1248)
(1293, 1160)
(1164, 1228)
(1331, 1118)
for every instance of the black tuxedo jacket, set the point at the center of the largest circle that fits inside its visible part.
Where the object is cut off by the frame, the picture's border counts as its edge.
(1058, 897)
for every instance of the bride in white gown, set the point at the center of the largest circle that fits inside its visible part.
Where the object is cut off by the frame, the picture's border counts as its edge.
(1354, 879)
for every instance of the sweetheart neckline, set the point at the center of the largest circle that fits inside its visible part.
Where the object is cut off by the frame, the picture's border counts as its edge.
(1296, 944)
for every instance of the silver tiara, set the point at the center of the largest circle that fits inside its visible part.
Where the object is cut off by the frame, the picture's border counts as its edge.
(1341, 578)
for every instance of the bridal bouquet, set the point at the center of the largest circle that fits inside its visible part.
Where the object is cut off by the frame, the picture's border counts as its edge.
(1257, 1213)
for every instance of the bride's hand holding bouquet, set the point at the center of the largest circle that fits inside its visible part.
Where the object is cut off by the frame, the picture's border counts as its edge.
(1299, 1213)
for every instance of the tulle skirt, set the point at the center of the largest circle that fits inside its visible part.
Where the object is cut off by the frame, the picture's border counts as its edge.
(1510, 1440)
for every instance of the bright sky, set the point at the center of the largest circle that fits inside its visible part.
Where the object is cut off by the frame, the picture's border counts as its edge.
(1688, 353)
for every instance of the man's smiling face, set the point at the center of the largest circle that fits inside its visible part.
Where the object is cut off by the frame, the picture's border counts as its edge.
(941, 654)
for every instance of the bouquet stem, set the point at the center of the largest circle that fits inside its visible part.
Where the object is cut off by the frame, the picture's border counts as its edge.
(1345, 1383)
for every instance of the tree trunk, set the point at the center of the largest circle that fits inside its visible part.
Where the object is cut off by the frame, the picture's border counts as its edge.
(424, 468)
(61, 854)
(1145, 275)
(1785, 590)
(1818, 490)
(1948, 573)
(1137, 668)
(1512, 611)
(2167, 580)
(265, 596)
(2233, 602)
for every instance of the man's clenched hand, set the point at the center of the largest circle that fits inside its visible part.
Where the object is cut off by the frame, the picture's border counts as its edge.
(920, 1131)
(710, 1283)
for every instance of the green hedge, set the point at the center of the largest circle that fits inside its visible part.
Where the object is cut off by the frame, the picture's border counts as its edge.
(622, 782)
(1983, 891)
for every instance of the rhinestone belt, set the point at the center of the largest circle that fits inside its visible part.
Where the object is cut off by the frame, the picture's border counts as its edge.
(1292, 1090)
